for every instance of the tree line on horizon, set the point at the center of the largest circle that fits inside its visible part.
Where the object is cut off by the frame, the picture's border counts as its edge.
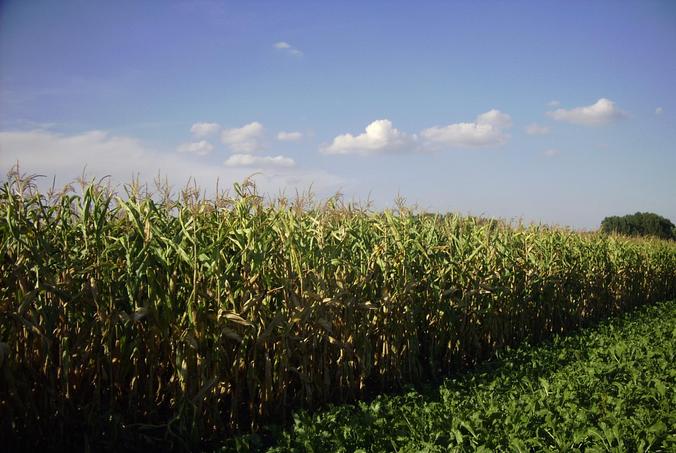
(640, 224)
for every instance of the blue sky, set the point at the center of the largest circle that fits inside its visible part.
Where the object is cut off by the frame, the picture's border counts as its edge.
(555, 112)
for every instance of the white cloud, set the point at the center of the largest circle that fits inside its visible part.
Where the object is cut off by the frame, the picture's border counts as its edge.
(463, 135)
(288, 48)
(65, 156)
(553, 103)
(289, 136)
(487, 130)
(551, 152)
(204, 129)
(495, 118)
(201, 148)
(659, 111)
(245, 139)
(537, 129)
(378, 137)
(247, 160)
(381, 137)
(602, 112)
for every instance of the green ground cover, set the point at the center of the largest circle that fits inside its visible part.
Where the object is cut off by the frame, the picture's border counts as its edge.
(607, 388)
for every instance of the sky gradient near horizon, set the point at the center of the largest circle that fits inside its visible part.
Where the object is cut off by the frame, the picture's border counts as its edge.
(554, 112)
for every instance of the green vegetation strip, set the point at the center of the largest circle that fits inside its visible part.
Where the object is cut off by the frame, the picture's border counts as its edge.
(609, 388)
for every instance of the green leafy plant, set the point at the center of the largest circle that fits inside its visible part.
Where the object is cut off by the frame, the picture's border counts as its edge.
(174, 321)
(608, 388)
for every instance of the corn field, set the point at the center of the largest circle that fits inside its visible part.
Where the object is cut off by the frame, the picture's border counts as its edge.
(180, 320)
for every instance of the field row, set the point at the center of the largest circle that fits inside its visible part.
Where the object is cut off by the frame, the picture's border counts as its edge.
(610, 388)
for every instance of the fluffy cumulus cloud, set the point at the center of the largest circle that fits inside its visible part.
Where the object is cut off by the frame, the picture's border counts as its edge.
(487, 130)
(204, 129)
(200, 148)
(537, 129)
(246, 139)
(495, 118)
(378, 137)
(289, 136)
(247, 160)
(99, 153)
(288, 48)
(601, 112)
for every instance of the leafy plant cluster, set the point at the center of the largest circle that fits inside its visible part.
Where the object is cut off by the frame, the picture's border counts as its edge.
(172, 321)
(640, 224)
(610, 388)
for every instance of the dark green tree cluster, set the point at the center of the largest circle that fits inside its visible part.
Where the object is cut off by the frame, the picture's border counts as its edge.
(640, 224)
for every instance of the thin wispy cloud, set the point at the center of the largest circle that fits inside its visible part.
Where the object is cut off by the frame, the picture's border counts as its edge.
(537, 129)
(288, 48)
(248, 160)
(659, 110)
(603, 111)
(551, 152)
(200, 148)
(100, 153)
(284, 136)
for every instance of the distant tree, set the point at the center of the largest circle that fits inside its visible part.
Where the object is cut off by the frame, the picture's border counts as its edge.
(640, 224)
